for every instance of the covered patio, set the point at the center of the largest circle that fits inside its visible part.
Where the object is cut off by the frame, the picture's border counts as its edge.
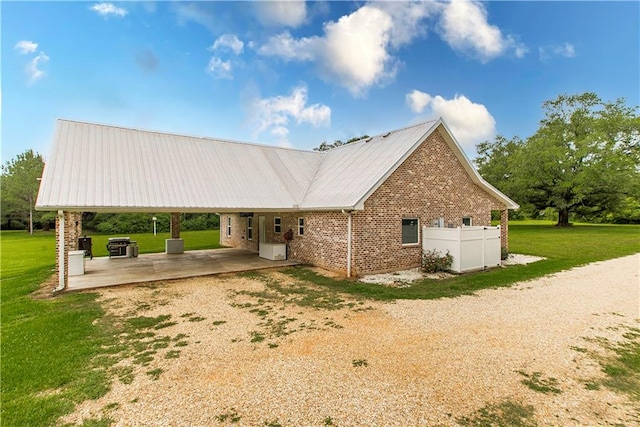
(105, 271)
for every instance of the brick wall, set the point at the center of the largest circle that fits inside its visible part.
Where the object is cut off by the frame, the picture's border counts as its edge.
(324, 242)
(72, 232)
(431, 183)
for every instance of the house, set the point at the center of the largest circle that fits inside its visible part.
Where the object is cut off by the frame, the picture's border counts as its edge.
(355, 209)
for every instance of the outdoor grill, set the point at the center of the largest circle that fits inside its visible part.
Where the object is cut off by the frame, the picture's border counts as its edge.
(85, 244)
(117, 246)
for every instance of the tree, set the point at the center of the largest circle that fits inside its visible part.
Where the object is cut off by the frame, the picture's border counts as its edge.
(20, 185)
(584, 159)
(324, 146)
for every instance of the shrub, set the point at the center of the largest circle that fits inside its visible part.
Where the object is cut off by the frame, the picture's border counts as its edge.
(434, 261)
(504, 253)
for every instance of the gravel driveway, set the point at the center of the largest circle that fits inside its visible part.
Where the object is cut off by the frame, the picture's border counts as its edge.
(248, 351)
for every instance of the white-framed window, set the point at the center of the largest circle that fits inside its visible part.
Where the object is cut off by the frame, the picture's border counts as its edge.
(249, 228)
(467, 221)
(300, 226)
(277, 224)
(410, 231)
(228, 226)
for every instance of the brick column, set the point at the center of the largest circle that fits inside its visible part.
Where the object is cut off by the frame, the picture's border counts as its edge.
(72, 231)
(504, 228)
(175, 225)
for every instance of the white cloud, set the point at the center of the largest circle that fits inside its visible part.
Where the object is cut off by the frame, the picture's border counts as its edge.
(108, 9)
(199, 12)
(465, 28)
(418, 101)
(26, 46)
(408, 18)
(274, 114)
(291, 13)
(219, 68)
(566, 50)
(228, 41)
(33, 70)
(283, 45)
(469, 122)
(353, 51)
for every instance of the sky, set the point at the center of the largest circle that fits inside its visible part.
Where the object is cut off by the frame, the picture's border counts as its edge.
(295, 73)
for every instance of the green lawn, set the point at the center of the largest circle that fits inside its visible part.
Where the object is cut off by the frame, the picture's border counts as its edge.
(50, 347)
(563, 248)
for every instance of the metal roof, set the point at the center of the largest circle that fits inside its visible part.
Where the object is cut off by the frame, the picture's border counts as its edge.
(95, 167)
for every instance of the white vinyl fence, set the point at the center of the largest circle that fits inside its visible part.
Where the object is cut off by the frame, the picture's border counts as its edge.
(472, 248)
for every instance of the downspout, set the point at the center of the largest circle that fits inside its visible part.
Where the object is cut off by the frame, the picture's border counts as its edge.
(348, 242)
(61, 249)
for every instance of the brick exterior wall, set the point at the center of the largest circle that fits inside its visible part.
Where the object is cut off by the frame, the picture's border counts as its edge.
(72, 232)
(430, 184)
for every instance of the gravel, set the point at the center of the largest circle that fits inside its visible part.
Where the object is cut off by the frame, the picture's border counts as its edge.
(374, 364)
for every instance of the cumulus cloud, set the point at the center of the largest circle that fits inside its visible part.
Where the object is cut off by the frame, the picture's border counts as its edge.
(284, 46)
(274, 114)
(26, 46)
(108, 9)
(469, 122)
(34, 67)
(292, 13)
(219, 69)
(353, 51)
(565, 50)
(408, 18)
(464, 26)
(229, 42)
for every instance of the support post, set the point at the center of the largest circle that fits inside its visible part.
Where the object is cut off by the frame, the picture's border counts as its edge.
(174, 245)
(504, 229)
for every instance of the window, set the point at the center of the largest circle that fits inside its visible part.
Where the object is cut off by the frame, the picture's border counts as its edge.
(467, 221)
(277, 225)
(249, 228)
(228, 226)
(300, 226)
(410, 231)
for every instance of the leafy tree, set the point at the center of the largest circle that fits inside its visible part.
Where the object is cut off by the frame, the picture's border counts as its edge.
(20, 185)
(583, 158)
(324, 146)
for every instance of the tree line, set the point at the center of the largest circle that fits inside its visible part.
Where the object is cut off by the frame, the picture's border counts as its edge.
(582, 163)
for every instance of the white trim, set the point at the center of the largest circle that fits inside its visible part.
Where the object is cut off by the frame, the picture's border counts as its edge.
(416, 243)
(470, 218)
(249, 228)
(61, 264)
(277, 225)
(228, 226)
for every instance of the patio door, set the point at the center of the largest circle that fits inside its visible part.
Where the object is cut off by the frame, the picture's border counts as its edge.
(261, 229)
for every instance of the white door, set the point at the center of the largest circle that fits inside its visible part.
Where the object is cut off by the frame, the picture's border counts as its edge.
(261, 228)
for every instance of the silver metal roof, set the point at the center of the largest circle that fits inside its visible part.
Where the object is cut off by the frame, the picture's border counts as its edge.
(95, 167)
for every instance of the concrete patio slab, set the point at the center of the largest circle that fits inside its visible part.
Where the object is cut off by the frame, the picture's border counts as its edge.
(105, 271)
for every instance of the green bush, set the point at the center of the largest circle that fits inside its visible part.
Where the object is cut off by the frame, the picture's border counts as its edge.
(434, 261)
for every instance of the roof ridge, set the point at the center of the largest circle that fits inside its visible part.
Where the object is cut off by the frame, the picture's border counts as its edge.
(207, 138)
(383, 135)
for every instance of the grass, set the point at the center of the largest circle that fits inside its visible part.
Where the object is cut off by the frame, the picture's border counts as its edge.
(48, 345)
(563, 248)
(55, 352)
(536, 382)
(148, 243)
(505, 414)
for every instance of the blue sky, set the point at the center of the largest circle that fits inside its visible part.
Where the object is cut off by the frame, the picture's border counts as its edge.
(298, 73)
